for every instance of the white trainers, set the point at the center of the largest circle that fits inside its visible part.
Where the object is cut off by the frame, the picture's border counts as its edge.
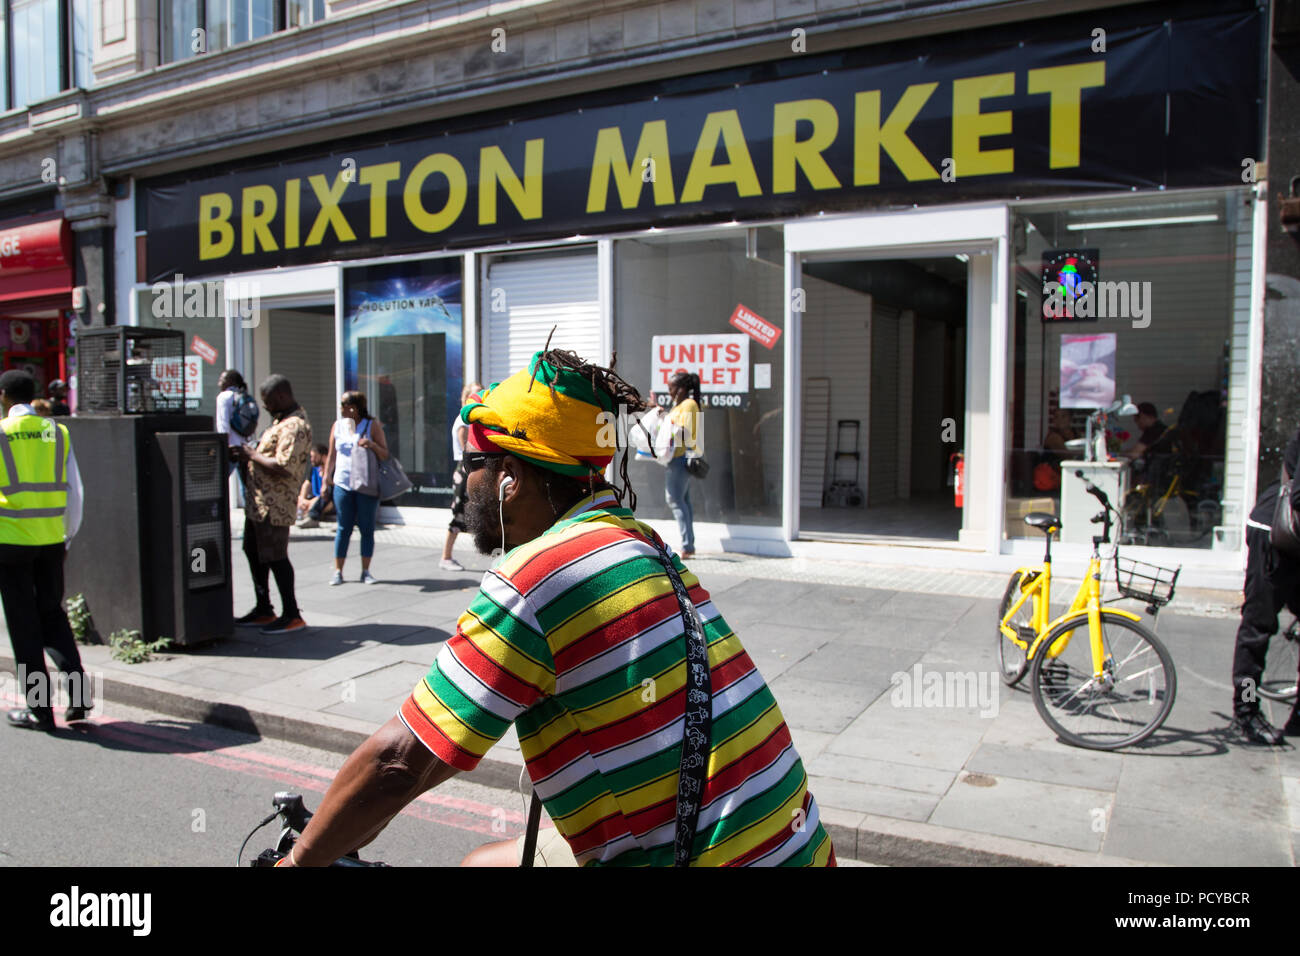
(308, 523)
(451, 564)
(368, 578)
(337, 579)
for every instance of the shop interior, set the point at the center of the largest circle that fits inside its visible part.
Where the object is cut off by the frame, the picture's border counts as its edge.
(297, 343)
(884, 379)
(1183, 266)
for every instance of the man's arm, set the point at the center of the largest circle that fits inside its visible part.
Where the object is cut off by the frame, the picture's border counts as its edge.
(76, 494)
(381, 777)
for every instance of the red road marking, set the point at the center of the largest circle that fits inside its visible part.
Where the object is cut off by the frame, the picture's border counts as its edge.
(457, 812)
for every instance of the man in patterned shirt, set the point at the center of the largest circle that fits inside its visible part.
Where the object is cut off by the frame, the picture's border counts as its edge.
(276, 466)
(577, 637)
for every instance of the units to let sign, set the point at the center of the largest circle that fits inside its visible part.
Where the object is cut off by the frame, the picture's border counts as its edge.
(173, 375)
(721, 362)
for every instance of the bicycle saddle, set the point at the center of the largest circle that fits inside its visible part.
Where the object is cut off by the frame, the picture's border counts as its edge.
(1048, 524)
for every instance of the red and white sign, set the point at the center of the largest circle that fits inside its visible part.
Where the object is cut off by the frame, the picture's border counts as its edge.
(203, 350)
(721, 361)
(755, 326)
(168, 374)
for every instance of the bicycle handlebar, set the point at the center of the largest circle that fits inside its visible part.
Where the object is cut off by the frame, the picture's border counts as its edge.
(294, 816)
(1093, 489)
(1103, 518)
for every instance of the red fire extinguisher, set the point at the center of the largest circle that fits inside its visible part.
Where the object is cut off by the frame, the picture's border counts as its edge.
(959, 478)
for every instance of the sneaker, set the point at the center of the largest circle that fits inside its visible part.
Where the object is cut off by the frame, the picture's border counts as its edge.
(451, 564)
(76, 713)
(30, 720)
(1292, 726)
(308, 523)
(257, 617)
(337, 579)
(368, 578)
(285, 625)
(1256, 729)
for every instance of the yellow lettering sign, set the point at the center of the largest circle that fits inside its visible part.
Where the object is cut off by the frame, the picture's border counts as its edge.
(330, 214)
(651, 161)
(257, 209)
(870, 136)
(969, 125)
(1066, 85)
(292, 204)
(494, 168)
(739, 167)
(216, 234)
(377, 178)
(787, 151)
(457, 189)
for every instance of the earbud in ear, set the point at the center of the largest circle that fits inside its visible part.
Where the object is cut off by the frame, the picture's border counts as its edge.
(506, 482)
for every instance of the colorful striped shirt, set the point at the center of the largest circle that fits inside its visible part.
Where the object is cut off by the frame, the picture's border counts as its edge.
(577, 638)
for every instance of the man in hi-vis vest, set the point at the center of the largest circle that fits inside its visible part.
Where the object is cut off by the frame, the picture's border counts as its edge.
(40, 511)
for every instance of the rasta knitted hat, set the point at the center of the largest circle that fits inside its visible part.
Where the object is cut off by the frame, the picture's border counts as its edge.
(549, 416)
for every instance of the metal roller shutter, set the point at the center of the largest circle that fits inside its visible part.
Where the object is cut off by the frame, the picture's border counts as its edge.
(526, 295)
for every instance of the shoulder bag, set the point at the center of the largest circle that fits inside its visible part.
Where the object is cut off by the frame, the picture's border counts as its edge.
(392, 479)
(697, 730)
(364, 474)
(1285, 534)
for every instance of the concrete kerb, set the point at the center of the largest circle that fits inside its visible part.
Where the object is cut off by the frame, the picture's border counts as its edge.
(870, 838)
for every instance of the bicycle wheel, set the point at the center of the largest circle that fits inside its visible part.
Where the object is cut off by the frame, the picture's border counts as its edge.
(1012, 660)
(1126, 705)
(1281, 664)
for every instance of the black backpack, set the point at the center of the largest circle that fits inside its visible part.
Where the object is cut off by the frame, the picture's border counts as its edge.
(244, 415)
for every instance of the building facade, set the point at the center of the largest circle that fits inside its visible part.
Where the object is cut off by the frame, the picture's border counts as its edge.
(891, 241)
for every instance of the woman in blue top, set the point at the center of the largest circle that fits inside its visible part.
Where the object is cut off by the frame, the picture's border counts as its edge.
(356, 432)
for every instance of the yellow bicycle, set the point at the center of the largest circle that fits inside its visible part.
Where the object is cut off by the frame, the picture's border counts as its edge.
(1115, 686)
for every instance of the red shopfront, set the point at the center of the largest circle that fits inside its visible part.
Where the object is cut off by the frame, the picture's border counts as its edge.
(36, 296)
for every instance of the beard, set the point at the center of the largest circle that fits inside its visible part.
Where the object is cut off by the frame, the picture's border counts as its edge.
(481, 518)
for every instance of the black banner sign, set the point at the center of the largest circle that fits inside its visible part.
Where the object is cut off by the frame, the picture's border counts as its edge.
(1033, 109)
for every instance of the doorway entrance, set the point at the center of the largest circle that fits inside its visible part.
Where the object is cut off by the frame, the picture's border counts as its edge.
(940, 364)
(884, 400)
(297, 342)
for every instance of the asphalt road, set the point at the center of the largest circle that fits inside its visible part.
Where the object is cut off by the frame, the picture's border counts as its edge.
(134, 788)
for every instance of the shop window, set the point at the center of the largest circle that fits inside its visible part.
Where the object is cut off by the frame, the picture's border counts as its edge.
(1145, 298)
(36, 50)
(197, 309)
(526, 296)
(403, 347)
(193, 27)
(674, 302)
(49, 44)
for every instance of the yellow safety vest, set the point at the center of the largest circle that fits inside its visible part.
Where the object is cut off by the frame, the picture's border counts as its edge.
(34, 484)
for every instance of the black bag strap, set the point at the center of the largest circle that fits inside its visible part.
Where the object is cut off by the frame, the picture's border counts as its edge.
(698, 730)
(530, 836)
(698, 727)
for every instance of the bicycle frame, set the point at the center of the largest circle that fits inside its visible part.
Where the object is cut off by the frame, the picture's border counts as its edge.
(1086, 605)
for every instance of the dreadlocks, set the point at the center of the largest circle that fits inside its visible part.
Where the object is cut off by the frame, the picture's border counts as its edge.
(620, 393)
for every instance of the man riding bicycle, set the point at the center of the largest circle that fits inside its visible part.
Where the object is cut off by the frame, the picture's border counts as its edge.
(577, 636)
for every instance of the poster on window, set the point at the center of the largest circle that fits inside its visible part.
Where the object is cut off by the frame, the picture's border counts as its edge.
(402, 341)
(721, 362)
(1087, 370)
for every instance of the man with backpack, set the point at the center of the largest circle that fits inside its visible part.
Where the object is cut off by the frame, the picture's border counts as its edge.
(237, 412)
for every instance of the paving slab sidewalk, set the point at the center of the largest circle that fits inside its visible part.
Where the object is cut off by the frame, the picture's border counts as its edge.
(984, 784)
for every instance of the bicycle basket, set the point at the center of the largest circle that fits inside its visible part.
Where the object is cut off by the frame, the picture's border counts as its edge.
(1148, 583)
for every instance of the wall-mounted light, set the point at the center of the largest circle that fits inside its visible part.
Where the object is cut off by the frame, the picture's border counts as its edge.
(1139, 223)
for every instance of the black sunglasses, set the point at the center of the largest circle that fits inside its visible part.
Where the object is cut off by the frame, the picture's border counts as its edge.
(477, 459)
